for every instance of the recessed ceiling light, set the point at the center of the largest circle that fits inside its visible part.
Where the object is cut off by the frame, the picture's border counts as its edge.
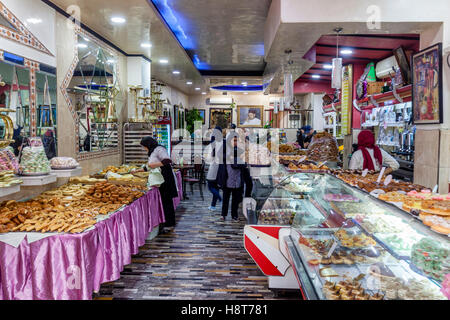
(110, 61)
(316, 76)
(119, 20)
(198, 89)
(176, 72)
(34, 20)
(146, 45)
(203, 93)
(244, 83)
(164, 61)
(245, 92)
(93, 83)
(327, 66)
(189, 83)
(82, 45)
(346, 51)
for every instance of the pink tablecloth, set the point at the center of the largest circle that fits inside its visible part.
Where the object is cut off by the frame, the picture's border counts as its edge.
(73, 266)
(177, 201)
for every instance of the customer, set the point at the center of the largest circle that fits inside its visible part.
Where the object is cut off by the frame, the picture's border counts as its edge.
(369, 156)
(159, 158)
(230, 177)
(246, 173)
(213, 161)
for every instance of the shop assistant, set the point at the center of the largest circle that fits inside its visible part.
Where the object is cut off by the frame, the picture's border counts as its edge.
(159, 158)
(369, 156)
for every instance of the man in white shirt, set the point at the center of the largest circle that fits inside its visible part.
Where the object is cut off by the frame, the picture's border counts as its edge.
(252, 120)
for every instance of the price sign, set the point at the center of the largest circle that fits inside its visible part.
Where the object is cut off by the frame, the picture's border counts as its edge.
(332, 248)
(388, 180)
(381, 175)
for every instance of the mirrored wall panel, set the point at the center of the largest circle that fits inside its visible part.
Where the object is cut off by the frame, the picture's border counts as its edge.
(96, 95)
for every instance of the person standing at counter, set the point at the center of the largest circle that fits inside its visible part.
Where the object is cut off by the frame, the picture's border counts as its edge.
(159, 158)
(230, 177)
(309, 134)
(300, 138)
(369, 156)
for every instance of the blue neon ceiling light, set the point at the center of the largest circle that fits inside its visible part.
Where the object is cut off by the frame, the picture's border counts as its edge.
(180, 28)
(238, 88)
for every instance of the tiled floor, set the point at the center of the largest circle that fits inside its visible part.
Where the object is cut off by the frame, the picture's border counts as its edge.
(203, 258)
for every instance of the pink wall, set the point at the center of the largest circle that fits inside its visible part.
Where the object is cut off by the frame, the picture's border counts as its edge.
(304, 86)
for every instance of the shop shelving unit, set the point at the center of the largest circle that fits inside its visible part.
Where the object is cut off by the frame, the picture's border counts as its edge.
(132, 135)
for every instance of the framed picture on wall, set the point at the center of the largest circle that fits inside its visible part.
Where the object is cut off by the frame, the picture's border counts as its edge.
(404, 65)
(202, 114)
(427, 97)
(250, 116)
(220, 117)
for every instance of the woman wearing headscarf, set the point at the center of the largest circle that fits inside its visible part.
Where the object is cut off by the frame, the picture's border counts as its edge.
(369, 156)
(212, 158)
(230, 177)
(159, 158)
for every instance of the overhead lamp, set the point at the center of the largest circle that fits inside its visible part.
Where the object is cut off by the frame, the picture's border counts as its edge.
(198, 89)
(110, 61)
(244, 84)
(164, 61)
(82, 45)
(176, 72)
(203, 93)
(328, 66)
(316, 76)
(245, 92)
(34, 20)
(118, 20)
(346, 51)
(146, 45)
(336, 73)
(189, 83)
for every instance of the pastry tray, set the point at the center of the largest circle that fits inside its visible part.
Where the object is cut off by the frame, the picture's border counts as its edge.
(65, 168)
(33, 174)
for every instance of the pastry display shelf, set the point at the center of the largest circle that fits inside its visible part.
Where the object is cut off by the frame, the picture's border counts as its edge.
(387, 98)
(9, 190)
(67, 173)
(31, 181)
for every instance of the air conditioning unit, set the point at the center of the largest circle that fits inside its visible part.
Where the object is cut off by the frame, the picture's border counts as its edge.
(386, 67)
(219, 101)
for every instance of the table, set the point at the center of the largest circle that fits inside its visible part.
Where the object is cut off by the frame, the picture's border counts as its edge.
(73, 266)
(184, 170)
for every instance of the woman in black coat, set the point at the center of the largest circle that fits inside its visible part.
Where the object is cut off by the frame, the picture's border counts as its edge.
(159, 158)
(231, 177)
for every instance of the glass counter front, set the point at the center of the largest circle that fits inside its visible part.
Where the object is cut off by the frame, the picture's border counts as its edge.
(354, 246)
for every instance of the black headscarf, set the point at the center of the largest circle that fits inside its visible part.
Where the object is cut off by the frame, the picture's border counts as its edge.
(150, 143)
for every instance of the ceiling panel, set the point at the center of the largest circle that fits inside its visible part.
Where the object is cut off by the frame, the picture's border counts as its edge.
(219, 35)
(143, 25)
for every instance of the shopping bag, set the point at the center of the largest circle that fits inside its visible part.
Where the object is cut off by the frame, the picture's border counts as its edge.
(155, 178)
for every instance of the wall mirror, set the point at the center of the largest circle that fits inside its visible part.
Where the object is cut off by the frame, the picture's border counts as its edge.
(14, 98)
(96, 96)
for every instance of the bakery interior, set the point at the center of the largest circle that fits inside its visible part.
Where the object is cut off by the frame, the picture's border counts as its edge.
(82, 82)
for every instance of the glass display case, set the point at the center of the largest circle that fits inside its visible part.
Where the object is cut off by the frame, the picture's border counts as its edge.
(345, 244)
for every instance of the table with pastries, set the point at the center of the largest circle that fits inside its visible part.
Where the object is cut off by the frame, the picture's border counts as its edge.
(66, 242)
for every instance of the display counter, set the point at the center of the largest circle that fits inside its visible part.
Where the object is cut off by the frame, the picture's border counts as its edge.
(341, 243)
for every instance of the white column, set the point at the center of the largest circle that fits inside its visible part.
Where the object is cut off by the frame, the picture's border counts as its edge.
(139, 74)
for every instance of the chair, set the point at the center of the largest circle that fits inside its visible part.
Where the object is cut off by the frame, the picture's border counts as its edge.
(196, 176)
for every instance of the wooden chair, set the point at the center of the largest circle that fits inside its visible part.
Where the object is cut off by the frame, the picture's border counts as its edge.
(197, 176)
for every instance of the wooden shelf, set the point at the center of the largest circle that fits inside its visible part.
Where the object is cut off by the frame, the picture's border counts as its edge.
(405, 93)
